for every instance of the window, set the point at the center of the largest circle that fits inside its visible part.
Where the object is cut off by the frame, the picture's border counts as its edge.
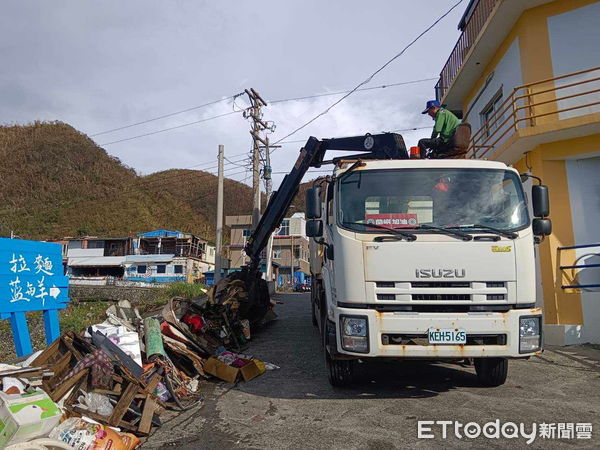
(178, 268)
(161, 268)
(95, 244)
(490, 119)
(247, 232)
(276, 254)
(406, 198)
(284, 230)
(142, 269)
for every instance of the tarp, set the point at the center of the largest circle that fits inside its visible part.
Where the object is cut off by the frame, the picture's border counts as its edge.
(131, 259)
(97, 261)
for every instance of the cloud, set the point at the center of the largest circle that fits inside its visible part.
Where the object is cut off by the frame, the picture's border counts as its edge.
(100, 65)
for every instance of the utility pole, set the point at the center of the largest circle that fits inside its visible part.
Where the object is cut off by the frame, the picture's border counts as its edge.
(219, 249)
(254, 113)
(268, 189)
(292, 258)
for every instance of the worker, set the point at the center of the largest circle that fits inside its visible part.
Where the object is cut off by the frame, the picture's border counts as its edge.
(443, 130)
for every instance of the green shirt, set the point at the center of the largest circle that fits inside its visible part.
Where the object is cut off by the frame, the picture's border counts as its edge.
(445, 125)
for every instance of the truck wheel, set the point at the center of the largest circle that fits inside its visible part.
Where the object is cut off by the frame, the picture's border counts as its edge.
(341, 371)
(491, 371)
(313, 313)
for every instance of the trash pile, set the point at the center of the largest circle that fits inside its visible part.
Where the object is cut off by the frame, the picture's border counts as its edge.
(107, 386)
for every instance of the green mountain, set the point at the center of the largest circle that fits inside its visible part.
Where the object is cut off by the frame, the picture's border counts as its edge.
(57, 182)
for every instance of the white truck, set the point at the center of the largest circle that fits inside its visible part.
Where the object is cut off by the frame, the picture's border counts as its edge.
(430, 259)
(425, 259)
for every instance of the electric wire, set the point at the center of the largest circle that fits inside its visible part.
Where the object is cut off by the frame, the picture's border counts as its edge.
(370, 77)
(187, 124)
(164, 116)
(327, 94)
(232, 97)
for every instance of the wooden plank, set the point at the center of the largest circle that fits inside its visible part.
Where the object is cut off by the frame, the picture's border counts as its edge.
(69, 344)
(78, 411)
(81, 384)
(123, 404)
(48, 353)
(60, 368)
(145, 424)
(60, 391)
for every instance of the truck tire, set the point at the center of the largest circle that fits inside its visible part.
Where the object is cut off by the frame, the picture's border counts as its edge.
(340, 371)
(313, 313)
(491, 371)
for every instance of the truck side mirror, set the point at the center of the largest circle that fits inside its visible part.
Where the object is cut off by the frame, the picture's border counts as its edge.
(541, 227)
(314, 228)
(313, 203)
(540, 200)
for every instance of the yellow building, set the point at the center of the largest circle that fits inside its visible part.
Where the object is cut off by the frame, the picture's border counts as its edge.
(526, 75)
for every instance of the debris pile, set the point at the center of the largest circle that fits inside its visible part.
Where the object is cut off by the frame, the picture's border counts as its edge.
(117, 377)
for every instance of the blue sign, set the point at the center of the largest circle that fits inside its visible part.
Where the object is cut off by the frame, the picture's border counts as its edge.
(31, 279)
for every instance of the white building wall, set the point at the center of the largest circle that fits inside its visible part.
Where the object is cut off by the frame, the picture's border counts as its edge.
(506, 76)
(575, 46)
(584, 195)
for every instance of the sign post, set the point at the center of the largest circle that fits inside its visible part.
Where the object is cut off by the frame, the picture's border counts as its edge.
(31, 279)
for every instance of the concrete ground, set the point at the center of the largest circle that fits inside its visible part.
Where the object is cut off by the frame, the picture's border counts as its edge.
(295, 407)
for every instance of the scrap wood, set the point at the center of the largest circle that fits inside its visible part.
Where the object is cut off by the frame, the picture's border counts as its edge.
(180, 349)
(59, 391)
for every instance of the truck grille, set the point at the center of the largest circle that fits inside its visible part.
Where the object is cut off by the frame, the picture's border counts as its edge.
(421, 339)
(440, 284)
(438, 291)
(441, 297)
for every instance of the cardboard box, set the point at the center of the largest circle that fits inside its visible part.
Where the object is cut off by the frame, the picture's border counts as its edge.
(221, 370)
(231, 374)
(26, 416)
(250, 370)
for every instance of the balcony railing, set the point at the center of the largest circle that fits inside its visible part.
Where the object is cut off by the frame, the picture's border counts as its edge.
(471, 31)
(530, 105)
(574, 277)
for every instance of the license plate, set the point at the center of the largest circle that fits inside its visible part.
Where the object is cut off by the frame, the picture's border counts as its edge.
(447, 336)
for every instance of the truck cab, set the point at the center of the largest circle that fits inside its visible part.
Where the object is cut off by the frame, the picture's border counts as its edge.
(425, 259)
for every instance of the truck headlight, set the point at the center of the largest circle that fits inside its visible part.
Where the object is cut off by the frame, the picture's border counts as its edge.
(530, 334)
(355, 333)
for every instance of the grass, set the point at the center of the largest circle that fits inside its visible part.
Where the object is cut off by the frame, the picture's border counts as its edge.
(79, 315)
(185, 290)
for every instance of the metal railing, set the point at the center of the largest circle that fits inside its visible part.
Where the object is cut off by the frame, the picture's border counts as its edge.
(471, 31)
(579, 266)
(529, 103)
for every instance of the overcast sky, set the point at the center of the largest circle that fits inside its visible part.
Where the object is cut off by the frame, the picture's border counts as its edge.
(99, 65)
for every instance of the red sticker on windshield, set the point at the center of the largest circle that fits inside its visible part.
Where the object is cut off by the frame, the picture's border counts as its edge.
(393, 220)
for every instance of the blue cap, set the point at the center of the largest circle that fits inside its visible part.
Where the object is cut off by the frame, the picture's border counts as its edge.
(431, 104)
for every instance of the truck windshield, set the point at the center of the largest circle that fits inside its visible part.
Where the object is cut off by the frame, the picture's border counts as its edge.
(441, 197)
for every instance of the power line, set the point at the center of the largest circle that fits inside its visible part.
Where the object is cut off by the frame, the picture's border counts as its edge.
(170, 128)
(370, 77)
(164, 116)
(327, 94)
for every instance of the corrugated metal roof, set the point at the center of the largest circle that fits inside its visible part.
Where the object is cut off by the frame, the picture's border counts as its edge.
(129, 259)
(165, 233)
(97, 261)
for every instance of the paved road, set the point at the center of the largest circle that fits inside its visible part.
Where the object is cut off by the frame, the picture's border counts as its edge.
(295, 407)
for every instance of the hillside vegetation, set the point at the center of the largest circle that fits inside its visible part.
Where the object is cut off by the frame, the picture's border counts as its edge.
(57, 182)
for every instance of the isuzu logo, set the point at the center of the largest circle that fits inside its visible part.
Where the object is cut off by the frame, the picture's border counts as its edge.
(440, 273)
